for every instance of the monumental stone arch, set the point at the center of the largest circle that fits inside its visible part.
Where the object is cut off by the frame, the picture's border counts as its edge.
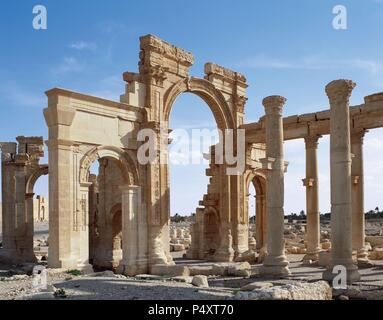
(84, 129)
(119, 218)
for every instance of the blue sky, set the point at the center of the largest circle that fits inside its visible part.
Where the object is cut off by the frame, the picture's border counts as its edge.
(283, 47)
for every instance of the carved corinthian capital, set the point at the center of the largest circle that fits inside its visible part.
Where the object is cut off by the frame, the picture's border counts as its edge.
(339, 91)
(274, 104)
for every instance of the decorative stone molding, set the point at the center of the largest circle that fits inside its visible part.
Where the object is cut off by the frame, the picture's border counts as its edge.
(219, 71)
(312, 141)
(274, 104)
(339, 91)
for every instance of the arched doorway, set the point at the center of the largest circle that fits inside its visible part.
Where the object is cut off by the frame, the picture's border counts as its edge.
(193, 133)
(36, 204)
(223, 117)
(105, 209)
(257, 213)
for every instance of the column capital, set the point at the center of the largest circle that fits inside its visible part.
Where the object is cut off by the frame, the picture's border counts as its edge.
(312, 141)
(274, 104)
(339, 91)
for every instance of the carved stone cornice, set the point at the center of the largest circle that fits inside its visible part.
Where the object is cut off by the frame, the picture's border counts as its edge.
(240, 102)
(216, 70)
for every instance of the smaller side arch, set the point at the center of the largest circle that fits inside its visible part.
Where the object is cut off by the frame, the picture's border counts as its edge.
(31, 181)
(128, 165)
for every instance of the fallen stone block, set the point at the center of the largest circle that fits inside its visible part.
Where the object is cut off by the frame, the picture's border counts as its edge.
(375, 240)
(200, 281)
(256, 285)
(185, 279)
(248, 256)
(168, 270)
(242, 269)
(298, 291)
(202, 270)
(376, 254)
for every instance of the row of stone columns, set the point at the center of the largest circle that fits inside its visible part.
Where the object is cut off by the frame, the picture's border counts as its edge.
(357, 192)
(347, 202)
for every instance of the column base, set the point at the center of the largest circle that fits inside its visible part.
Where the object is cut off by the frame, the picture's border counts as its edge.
(362, 254)
(313, 256)
(352, 274)
(275, 266)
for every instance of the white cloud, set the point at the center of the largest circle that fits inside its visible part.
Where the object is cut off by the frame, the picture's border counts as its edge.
(68, 65)
(110, 87)
(313, 63)
(83, 45)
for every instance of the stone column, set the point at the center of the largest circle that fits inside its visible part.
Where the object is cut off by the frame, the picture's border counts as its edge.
(134, 245)
(339, 92)
(312, 206)
(275, 263)
(357, 187)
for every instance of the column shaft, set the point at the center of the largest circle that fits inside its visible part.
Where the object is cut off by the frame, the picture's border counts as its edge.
(312, 198)
(275, 262)
(339, 92)
(358, 222)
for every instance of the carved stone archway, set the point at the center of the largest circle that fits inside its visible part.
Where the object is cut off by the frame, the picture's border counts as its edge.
(259, 182)
(124, 159)
(205, 90)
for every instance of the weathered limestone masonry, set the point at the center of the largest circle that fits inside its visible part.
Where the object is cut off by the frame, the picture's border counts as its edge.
(20, 170)
(118, 218)
(127, 204)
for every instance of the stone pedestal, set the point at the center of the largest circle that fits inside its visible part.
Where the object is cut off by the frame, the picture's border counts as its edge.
(312, 205)
(339, 92)
(275, 263)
